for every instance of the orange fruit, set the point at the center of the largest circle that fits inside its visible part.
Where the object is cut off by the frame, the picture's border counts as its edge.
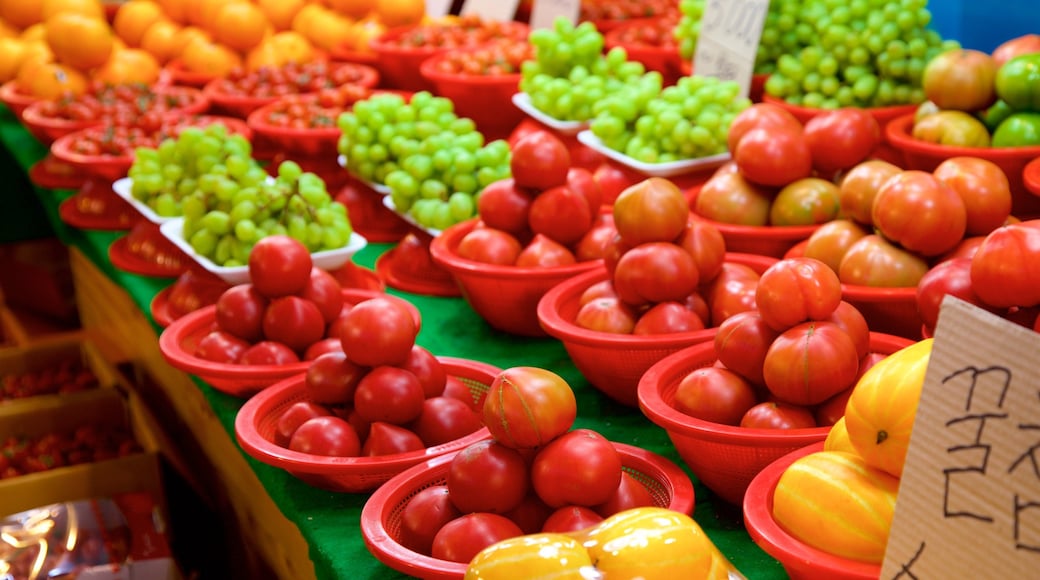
(240, 25)
(8, 31)
(301, 23)
(161, 39)
(21, 13)
(129, 65)
(50, 80)
(209, 58)
(85, 7)
(185, 35)
(279, 49)
(12, 54)
(400, 12)
(280, 13)
(133, 19)
(176, 10)
(79, 41)
(364, 31)
(35, 32)
(329, 30)
(36, 52)
(206, 15)
(355, 9)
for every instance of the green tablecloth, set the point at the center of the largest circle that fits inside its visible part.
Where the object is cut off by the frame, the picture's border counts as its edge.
(330, 521)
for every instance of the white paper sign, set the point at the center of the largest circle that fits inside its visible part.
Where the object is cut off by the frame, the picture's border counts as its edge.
(728, 41)
(501, 10)
(545, 12)
(969, 497)
(437, 8)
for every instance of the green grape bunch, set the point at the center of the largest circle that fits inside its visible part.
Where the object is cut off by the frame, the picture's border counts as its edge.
(223, 225)
(434, 162)
(210, 156)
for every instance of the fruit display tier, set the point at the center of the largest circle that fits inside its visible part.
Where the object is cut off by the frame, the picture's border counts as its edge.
(292, 529)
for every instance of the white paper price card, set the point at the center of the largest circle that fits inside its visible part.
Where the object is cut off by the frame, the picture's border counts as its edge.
(969, 496)
(501, 10)
(545, 12)
(728, 40)
(437, 8)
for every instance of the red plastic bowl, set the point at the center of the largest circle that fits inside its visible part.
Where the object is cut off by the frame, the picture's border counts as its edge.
(145, 251)
(663, 59)
(505, 296)
(257, 420)
(178, 340)
(309, 142)
(486, 99)
(48, 129)
(801, 561)
(887, 310)
(614, 363)
(12, 96)
(925, 156)
(1031, 176)
(381, 517)
(725, 458)
(180, 76)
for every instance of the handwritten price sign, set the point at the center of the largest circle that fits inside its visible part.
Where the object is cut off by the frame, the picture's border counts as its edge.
(969, 497)
(501, 10)
(545, 12)
(437, 8)
(728, 41)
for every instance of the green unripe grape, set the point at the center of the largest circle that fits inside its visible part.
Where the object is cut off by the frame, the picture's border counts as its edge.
(204, 242)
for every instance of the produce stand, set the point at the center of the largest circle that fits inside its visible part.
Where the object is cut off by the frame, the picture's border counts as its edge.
(275, 522)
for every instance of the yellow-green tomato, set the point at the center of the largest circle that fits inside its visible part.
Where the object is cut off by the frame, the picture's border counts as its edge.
(533, 557)
(952, 128)
(804, 202)
(1018, 130)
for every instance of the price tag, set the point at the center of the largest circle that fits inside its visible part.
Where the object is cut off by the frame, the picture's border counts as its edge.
(728, 41)
(969, 497)
(500, 10)
(545, 12)
(437, 8)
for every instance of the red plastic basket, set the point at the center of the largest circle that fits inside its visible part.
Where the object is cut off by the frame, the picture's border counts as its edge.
(178, 340)
(772, 241)
(663, 59)
(381, 517)
(145, 251)
(505, 296)
(486, 99)
(295, 141)
(12, 96)
(1031, 176)
(180, 76)
(257, 420)
(725, 458)
(48, 129)
(801, 561)
(926, 156)
(887, 310)
(614, 363)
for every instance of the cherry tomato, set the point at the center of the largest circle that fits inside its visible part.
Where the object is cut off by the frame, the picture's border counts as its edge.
(766, 115)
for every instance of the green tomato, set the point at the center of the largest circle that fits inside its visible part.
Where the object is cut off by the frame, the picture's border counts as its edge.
(1018, 130)
(995, 115)
(1018, 82)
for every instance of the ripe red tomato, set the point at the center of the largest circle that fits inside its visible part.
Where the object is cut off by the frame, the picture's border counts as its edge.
(489, 246)
(581, 180)
(455, 388)
(810, 362)
(596, 243)
(293, 321)
(464, 537)
(571, 518)
(666, 318)
(387, 439)
(428, 369)
(730, 297)
(606, 314)
(544, 252)
(222, 347)
(919, 212)
(841, 138)
(294, 416)
(741, 344)
(328, 436)
(562, 214)
(613, 179)
(504, 206)
(240, 312)
(851, 320)
(714, 394)
(1005, 269)
(705, 243)
(332, 378)
(773, 156)
(325, 291)
(539, 161)
(424, 515)
(1019, 45)
(445, 419)
(325, 345)
(794, 290)
(951, 277)
(778, 415)
(984, 189)
(727, 197)
(874, 261)
(279, 265)
(766, 115)
(652, 210)
(655, 272)
(531, 514)
(268, 352)
(629, 494)
(487, 476)
(527, 407)
(860, 185)
(379, 331)
(828, 412)
(580, 467)
(389, 394)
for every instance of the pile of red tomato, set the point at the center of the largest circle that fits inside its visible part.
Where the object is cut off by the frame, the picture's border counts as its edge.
(292, 78)
(497, 58)
(464, 31)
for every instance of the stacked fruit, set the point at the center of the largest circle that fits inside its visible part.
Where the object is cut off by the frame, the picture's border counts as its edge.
(980, 100)
(782, 173)
(653, 125)
(570, 73)
(20, 455)
(545, 215)
(62, 376)
(841, 500)
(434, 162)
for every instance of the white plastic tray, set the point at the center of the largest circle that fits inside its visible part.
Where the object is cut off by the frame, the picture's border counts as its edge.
(380, 188)
(669, 169)
(173, 230)
(123, 188)
(523, 102)
(388, 203)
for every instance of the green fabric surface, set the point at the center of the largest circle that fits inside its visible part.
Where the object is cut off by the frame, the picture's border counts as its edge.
(330, 521)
